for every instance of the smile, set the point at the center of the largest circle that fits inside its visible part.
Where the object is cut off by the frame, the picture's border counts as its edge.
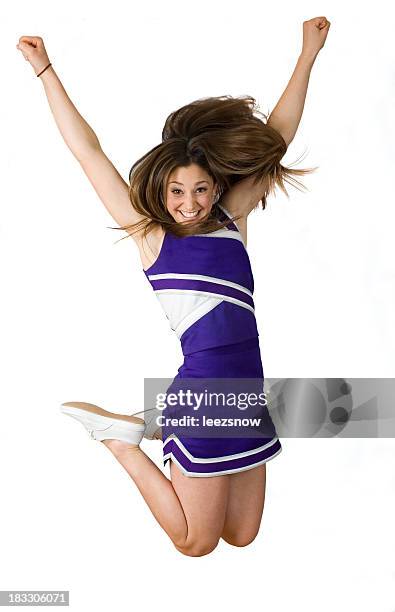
(188, 215)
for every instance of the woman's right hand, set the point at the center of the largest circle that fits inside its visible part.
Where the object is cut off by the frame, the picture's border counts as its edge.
(33, 50)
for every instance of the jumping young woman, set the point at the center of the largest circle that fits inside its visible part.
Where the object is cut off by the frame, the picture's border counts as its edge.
(186, 208)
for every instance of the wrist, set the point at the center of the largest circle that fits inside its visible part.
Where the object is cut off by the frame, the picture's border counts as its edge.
(307, 58)
(43, 69)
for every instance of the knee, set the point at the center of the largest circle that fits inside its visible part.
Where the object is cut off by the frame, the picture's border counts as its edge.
(240, 538)
(198, 548)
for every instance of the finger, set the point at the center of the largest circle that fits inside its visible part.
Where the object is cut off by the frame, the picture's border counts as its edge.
(320, 21)
(25, 39)
(31, 41)
(24, 55)
(25, 48)
(23, 52)
(324, 23)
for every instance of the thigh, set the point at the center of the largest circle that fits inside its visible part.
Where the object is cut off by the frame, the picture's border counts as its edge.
(245, 505)
(204, 501)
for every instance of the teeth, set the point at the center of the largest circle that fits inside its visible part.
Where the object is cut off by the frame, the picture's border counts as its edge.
(189, 214)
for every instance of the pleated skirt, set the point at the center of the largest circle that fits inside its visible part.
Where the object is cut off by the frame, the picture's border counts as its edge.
(199, 456)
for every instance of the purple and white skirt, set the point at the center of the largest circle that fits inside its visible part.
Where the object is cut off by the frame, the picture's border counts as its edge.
(201, 456)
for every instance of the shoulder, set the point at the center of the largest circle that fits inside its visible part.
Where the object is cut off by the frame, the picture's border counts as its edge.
(240, 223)
(150, 245)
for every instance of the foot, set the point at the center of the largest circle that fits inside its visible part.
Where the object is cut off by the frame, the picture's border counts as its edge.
(153, 431)
(105, 413)
(104, 425)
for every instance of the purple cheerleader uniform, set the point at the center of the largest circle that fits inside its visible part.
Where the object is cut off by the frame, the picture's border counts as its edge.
(205, 285)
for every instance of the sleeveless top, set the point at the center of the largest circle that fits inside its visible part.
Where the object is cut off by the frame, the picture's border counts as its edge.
(205, 285)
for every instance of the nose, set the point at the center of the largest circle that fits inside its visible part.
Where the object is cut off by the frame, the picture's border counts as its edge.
(189, 203)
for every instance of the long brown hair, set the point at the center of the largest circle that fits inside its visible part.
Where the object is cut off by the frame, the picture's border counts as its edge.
(225, 137)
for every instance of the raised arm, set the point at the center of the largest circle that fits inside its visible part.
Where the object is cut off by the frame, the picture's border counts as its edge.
(242, 198)
(80, 137)
(286, 115)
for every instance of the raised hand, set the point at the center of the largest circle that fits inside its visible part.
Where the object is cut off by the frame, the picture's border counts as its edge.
(315, 32)
(33, 50)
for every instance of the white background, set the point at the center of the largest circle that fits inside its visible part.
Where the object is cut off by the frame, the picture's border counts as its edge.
(79, 320)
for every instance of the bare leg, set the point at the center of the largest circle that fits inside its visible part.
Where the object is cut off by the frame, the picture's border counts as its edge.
(204, 500)
(192, 514)
(245, 506)
(191, 510)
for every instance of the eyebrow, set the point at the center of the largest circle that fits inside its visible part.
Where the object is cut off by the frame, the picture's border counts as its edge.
(178, 183)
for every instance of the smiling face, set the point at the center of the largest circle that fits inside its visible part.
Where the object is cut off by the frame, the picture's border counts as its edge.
(190, 193)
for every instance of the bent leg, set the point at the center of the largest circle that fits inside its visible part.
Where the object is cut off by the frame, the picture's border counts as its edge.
(193, 515)
(245, 506)
(190, 510)
(204, 501)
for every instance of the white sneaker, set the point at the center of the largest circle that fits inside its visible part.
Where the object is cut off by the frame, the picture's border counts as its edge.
(151, 425)
(103, 425)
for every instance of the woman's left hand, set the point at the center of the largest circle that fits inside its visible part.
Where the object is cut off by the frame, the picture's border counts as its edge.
(315, 32)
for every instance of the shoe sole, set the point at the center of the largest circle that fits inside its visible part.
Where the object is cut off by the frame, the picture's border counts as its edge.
(100, 419)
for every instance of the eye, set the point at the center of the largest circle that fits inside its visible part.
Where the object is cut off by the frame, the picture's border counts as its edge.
(174, 190)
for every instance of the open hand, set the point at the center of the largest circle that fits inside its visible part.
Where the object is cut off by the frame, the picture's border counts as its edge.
(33, 50)
(315, 32)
